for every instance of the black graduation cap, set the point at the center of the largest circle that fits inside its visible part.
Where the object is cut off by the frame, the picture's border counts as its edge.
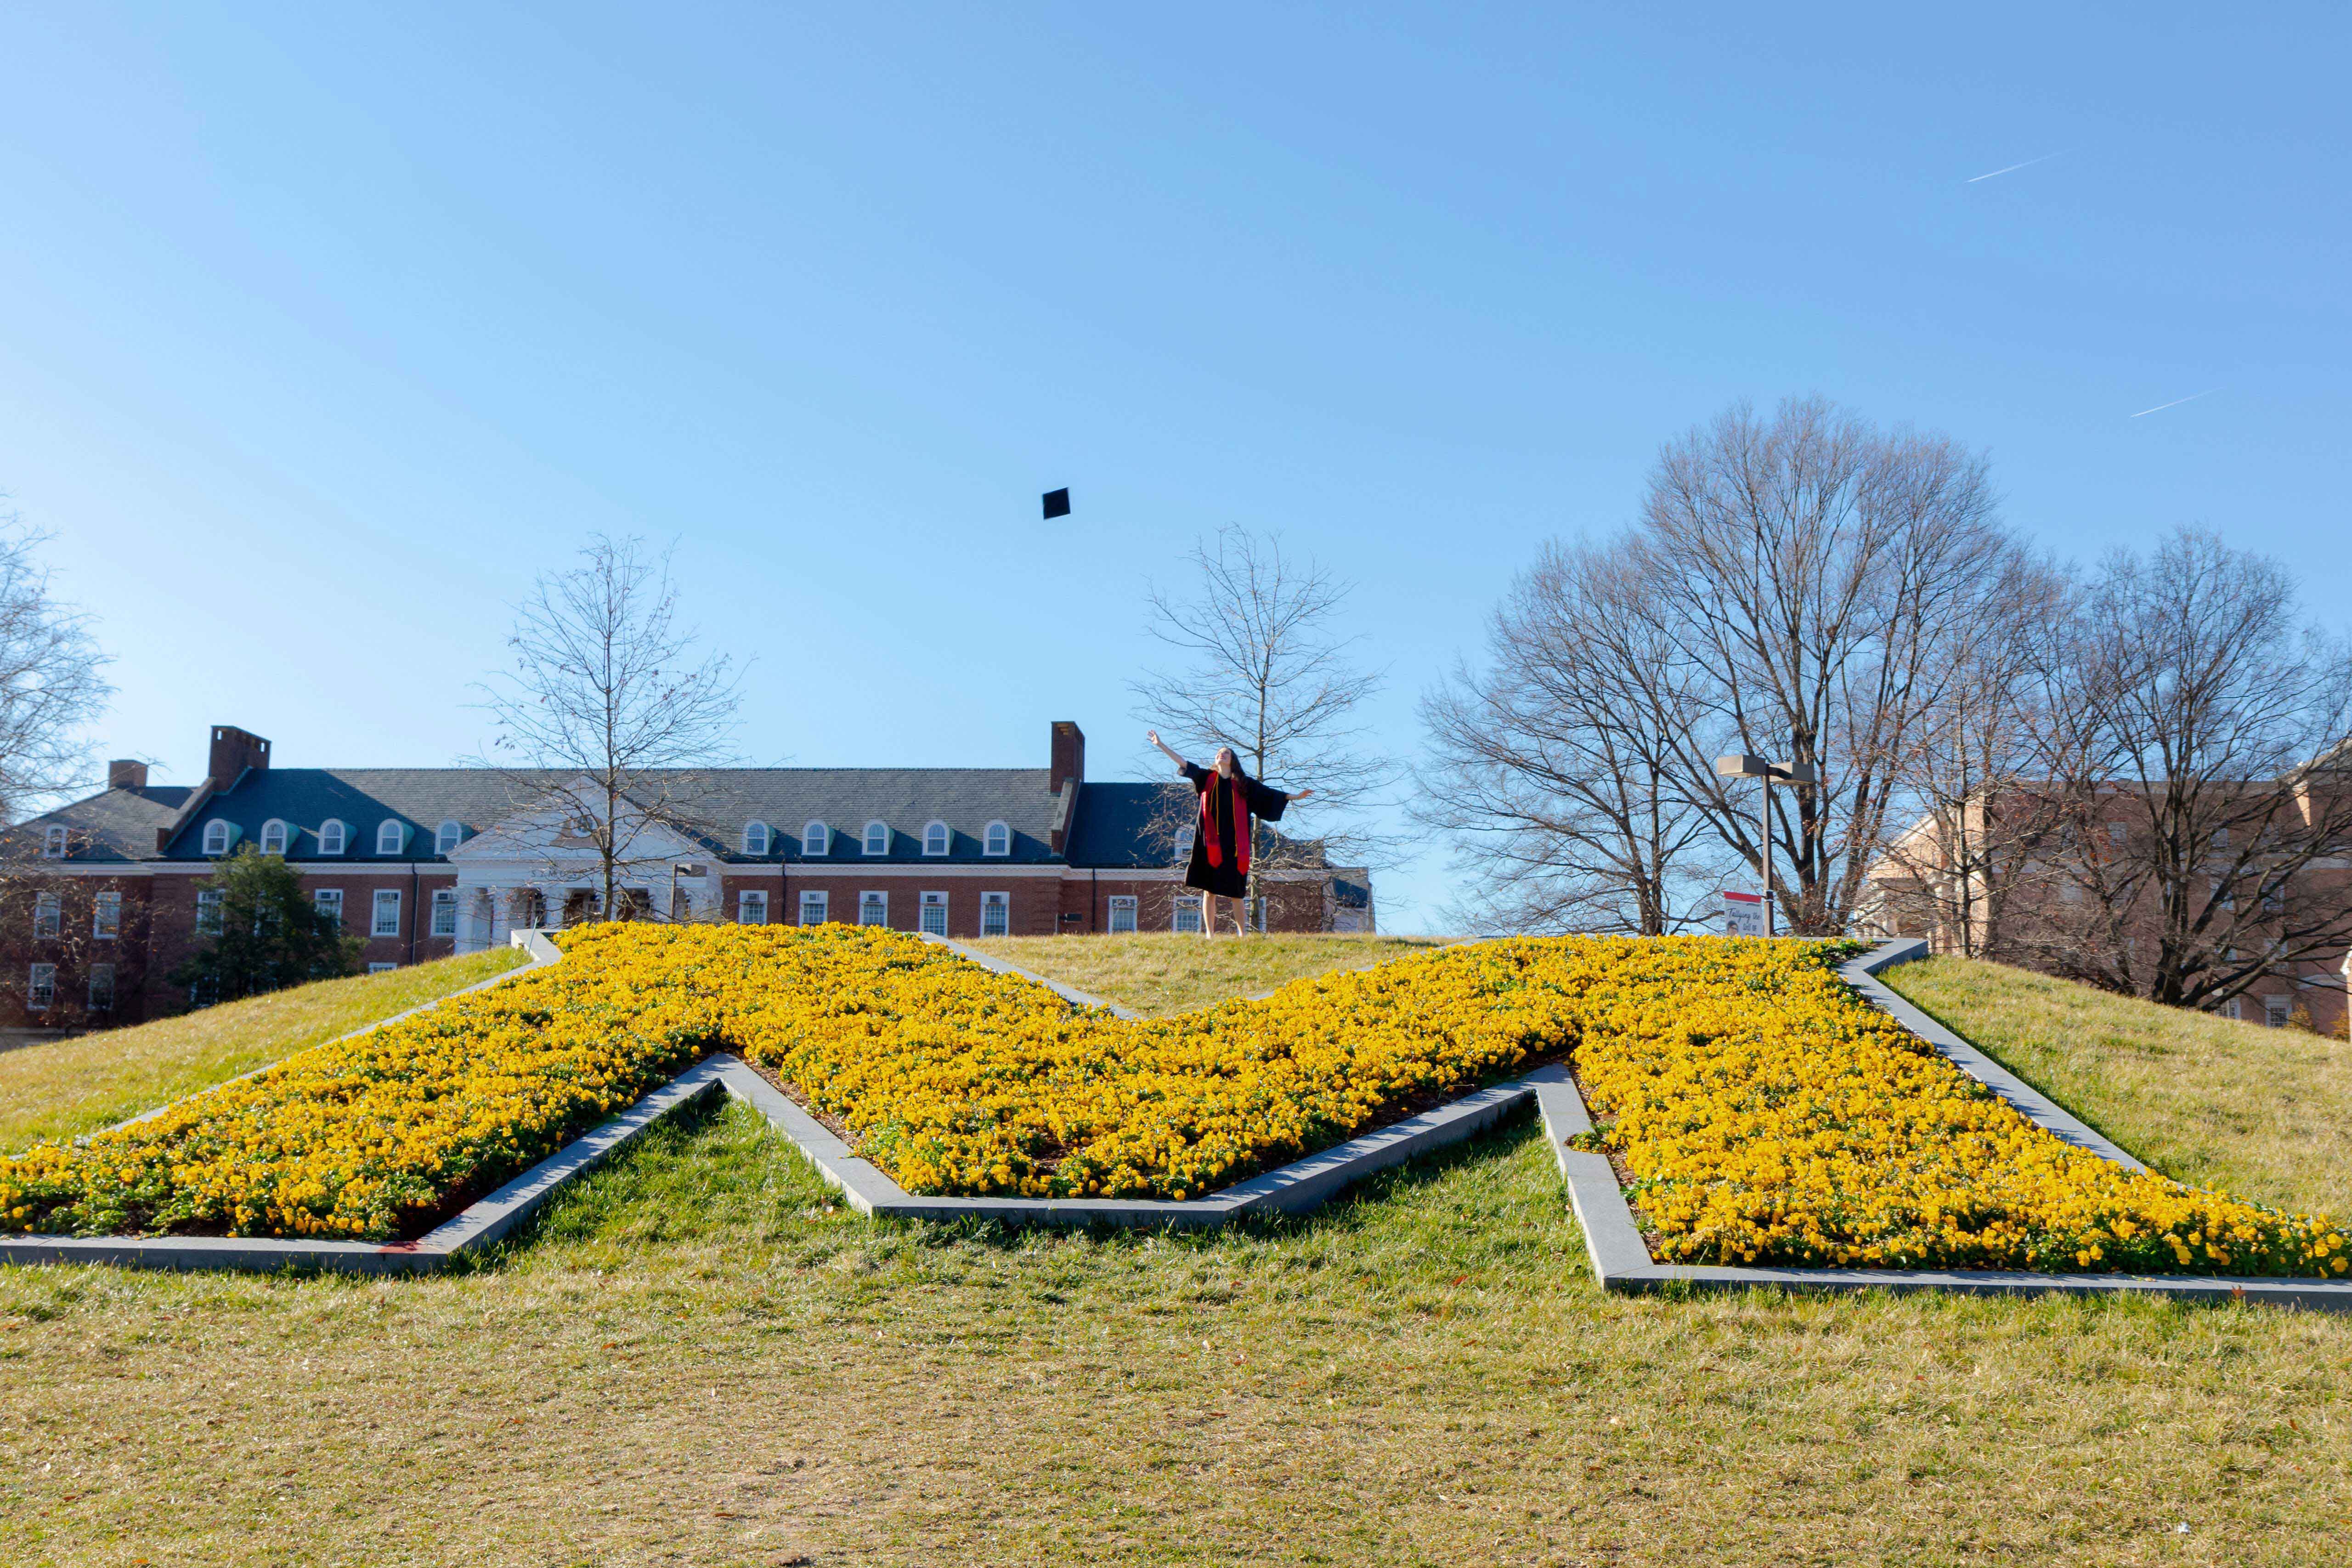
(1057, 504)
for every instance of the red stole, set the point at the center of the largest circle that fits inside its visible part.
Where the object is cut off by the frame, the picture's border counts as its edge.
(1226, 794)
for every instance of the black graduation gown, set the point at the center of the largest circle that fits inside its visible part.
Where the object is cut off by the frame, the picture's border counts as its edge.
(1238, 799)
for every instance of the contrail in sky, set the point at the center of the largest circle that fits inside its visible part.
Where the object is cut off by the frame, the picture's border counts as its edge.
(2013, 168)
(2178, 402)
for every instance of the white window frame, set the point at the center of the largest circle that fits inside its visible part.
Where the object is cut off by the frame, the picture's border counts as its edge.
(209, 911)
(40, 988)
(1184, 836)
(747, 901)
(48, 916)
(757, 837)
(53, 842)
(448, 836)
(101, 998)
(933, 902)
(996, 909)
(996, 839)
(106, 916)
(2117, 833)
(866, 840)
(873, 898)
(945, 835)
(817, 838)
(381, 967)
(445, 899)
(818, 900)
(385, 898)
(334, 836)
(2277, 1010)
(276, 829)
(1185, 904)
(220, 837)
(393, 829)
(2231, 1009)
(324, 898)
(1128, 905)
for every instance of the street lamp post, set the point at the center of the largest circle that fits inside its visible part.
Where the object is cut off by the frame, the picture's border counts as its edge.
(1748, 767)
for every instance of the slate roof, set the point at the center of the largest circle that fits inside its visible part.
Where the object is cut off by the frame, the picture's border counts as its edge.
(1117, 826)
(117, 826)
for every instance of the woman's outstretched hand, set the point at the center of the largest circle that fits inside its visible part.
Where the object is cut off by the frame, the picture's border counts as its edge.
(1301, 794)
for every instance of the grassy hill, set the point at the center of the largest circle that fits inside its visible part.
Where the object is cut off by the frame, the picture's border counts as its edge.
(63, 1088)
(2264, 1113)
(699, 1356)
(1157, 972)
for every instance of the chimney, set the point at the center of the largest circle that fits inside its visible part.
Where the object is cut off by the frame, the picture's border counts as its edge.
(1069, 756)
(126, 772)
(233, 751)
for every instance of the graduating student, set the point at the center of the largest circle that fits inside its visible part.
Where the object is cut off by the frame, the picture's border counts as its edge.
(1221, 847)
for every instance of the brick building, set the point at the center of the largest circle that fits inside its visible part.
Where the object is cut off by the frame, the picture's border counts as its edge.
(101, 899)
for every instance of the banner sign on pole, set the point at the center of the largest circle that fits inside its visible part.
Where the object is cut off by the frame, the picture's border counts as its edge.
(1743, 914)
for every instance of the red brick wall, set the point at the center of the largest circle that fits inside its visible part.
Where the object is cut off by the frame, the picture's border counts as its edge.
(73, 950)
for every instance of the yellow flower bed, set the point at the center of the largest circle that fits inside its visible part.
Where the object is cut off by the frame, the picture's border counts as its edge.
(1765, 1112)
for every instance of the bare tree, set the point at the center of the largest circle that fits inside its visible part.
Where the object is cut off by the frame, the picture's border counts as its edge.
(1268, 671)
(606, 717)
(2199, 765)
(1798, 587)
(51, 688)
(1972, 772)
(1551, 766)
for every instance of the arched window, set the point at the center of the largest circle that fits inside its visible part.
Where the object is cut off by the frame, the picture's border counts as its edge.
(878, 839)
(935, 838)
(218, 836)
(53, 842)
(333, 837)
(273, 838)
(817, 838)
(755, 838)
(391, 836)
(998, 840)
(448, 836)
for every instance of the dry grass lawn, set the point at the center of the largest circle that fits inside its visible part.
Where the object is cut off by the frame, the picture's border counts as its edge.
(70, 1087)
(2263, 1113)
(700, 1357)
(1158, 973)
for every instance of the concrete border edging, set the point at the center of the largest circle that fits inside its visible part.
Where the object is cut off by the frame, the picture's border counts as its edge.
(1620, 1260)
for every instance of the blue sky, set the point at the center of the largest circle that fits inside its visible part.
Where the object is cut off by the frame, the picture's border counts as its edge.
(322, 328)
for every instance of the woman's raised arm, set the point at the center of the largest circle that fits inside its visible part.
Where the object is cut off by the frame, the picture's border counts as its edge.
(1153, 736)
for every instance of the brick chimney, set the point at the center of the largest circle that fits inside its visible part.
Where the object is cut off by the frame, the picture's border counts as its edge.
(233, 751)
(126, 772)
(1070, 755)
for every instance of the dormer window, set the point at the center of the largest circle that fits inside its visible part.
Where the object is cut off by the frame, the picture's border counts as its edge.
(391, 836)
(997, 840)
(755, 838)
(448, 836)
(878, 839)
(334, 836)
(218, 836)
(53, 842)
(1185, 843)
(935, 838)
(817, 838)
(273, 838)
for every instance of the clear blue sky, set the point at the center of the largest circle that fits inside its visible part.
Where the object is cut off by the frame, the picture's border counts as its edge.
(321, 329)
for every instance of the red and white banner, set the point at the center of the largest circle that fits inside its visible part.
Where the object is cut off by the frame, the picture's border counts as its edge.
(1743, 914)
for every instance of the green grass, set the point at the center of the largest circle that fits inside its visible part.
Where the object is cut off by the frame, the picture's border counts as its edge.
(700, 1357)
(2258, 1113)
(62, 1089)
(1158, 973)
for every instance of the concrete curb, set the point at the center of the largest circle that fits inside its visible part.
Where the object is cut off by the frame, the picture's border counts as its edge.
(994, 964)
(1620, 1260)
(1294, 1188)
